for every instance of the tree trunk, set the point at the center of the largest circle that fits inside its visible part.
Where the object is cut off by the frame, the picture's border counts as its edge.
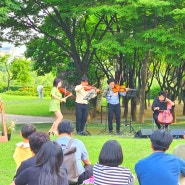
(144, 70)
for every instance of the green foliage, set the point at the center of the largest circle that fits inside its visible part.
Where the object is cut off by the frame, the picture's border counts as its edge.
(133, 149)
(154, 92)
(20, 69)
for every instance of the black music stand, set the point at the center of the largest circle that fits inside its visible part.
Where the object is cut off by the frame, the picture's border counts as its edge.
(106, 121)
(128, 124)
(86, 131)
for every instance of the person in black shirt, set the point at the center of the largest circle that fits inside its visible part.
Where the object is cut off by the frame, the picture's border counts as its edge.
(158, 105)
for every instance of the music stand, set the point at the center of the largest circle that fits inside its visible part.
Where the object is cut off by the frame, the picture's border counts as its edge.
(86, 131)
(130, 94)
(106, 121)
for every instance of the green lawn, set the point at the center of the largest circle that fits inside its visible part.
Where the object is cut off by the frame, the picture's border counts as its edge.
(26, 105)
(133, 148)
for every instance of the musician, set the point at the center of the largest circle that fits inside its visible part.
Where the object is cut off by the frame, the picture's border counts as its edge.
(156, 106)
(82, 104)
(113, 104)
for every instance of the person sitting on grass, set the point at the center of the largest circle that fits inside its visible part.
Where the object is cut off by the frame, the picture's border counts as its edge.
(65, 129)
(22, 150)
(160, 168)
(180, 152)
(108, 170)
(47, 169)
(36, 140)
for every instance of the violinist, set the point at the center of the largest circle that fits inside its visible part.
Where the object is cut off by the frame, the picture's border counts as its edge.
(82, 91)
(56, 99)
(156, 106)
(112, 97)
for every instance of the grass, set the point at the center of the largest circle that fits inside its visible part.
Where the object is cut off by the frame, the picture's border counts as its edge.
(26, 105)
(134, 149)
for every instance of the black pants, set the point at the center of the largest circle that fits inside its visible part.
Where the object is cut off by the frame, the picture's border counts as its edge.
(81, 116)
(111, 110)
(86, 175)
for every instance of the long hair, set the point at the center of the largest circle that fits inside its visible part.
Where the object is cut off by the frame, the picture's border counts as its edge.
(56, 81)
(111, 154)
(49, 158)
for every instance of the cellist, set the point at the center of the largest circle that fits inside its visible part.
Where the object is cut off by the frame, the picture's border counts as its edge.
(113, 104)
(156, 106)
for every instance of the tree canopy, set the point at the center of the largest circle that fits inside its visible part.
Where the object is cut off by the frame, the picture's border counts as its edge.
(140, 37)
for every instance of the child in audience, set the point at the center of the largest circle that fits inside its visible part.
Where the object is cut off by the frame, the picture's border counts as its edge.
(22, 150)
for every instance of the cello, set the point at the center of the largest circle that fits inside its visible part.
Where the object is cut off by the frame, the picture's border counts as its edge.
(165, 117)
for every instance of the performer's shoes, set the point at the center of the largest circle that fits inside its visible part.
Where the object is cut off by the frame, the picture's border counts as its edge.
(54, 133)
(119, 133)
(82, 133)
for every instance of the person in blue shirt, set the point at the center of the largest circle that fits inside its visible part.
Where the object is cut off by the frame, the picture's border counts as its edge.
(160, 168)
(113, 104)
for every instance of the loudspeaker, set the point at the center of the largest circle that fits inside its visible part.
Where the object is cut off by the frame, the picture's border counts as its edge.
(144, 133)
(177, 133)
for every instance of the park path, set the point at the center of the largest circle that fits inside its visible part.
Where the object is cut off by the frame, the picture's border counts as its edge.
(21, 119)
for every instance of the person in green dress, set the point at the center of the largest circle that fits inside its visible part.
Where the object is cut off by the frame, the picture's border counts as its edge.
(56, 99)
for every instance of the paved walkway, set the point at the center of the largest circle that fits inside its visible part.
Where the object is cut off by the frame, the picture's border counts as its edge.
(21, 119)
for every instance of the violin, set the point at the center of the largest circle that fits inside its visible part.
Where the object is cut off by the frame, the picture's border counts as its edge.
(90, 87)
(65, 92)
(118, 88)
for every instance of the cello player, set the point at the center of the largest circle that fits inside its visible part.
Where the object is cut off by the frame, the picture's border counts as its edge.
(156, 106)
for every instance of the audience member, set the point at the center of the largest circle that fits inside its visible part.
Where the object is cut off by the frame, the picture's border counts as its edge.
(36, 140)
(46, 170)
(180, 152)
(65, 129)
(22, 150)
(160, 168)
(108, 170)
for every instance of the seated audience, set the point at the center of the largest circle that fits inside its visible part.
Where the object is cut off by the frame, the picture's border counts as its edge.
(180, 152)
(36, 140)
(65, 129)
(46, 170)
(160, 168)
(22, 150)
(108, 170)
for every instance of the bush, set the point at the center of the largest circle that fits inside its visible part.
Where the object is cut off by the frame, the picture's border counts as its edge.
(26, 91)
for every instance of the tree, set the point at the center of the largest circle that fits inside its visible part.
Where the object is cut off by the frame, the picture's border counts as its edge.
(73, 26)
(18, 69)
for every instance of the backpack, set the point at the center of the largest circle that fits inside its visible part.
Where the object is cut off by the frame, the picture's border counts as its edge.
(70, 163)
